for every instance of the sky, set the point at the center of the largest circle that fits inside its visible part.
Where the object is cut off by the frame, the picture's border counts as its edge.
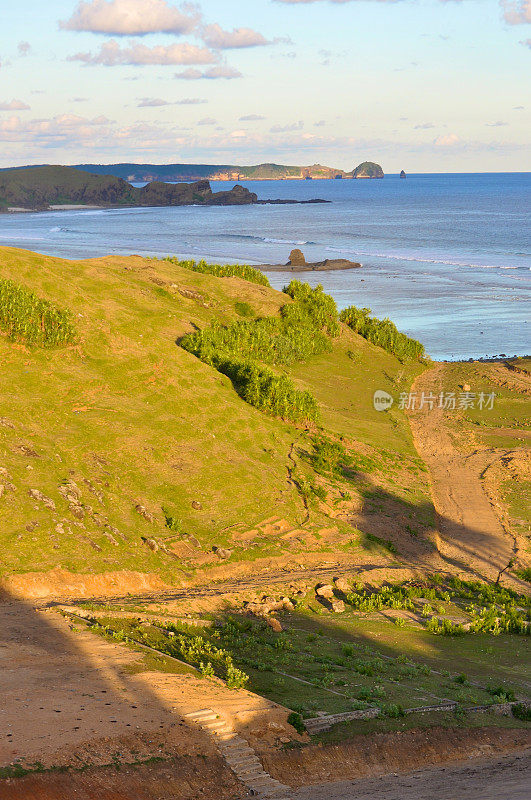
(420, 85)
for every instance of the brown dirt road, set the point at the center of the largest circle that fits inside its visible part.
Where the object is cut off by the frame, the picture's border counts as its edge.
(471, 536)
(506, 778)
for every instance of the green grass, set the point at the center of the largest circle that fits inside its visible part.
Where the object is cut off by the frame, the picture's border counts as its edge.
(325, 662)
(29, 319)
(132, 418)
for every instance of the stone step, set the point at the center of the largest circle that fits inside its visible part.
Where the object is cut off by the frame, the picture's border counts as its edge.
(199, 716)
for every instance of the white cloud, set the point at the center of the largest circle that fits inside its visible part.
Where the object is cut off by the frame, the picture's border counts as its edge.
(191, 101)
(213, 73)
(111, 54)
(425, 126)
(152, 102)
(207, 121)
(23, 48)
(214, 36)
(251, 118)
(14, 105)
(295, 126)
(50, 132)
(498, 124)
(132, 17)
(447, 140)
(516, 13)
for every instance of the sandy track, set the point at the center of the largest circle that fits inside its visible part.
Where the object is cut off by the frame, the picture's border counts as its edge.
(507, 778)
(471, 536)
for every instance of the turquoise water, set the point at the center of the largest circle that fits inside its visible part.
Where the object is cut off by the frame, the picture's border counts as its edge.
(447, 257)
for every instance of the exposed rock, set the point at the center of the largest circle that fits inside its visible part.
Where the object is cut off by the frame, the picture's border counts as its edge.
(197, 505)
(95, 491)
(151, 543)
(27, 451)
(4, 472)
(403, 174)
(6, 423)
(110, 538)
(142, 510)
(296, 258)
(325, 590)
(338, 606)
(275, 625)
(37, 495)
(2, 489)
(329, 264)
(222, 552)
(342, 585)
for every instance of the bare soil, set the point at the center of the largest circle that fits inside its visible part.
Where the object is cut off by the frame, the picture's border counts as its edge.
(471, 536)
(384, 753)
(508, 778)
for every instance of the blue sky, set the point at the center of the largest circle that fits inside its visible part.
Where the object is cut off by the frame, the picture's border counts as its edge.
(424, 85)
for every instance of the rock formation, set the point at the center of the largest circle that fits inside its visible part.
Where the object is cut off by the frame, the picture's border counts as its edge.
(296, 258)
(402, 174)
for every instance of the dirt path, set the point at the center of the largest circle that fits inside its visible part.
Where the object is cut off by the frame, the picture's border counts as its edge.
(471, 536)
(508, 778)
(70, 697)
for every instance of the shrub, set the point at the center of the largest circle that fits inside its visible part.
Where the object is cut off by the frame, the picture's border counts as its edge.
(382, 333)
(271, 393)
(501, 694)
(393, 710)
(522, 711)
(319, 307)
(223, 270)
(295, 720)
(328, 457)
(26, 318)
(243, 309)
(301, 330)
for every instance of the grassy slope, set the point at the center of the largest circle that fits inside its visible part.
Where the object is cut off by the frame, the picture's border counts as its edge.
(145, 422)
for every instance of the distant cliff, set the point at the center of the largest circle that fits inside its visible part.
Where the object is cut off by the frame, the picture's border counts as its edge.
(138, 173)
(38, 188)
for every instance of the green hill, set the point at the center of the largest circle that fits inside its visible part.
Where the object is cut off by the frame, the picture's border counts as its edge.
(121, 450)
(198, 172)
(40, 187)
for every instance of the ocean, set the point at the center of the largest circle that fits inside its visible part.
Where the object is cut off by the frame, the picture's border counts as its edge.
(446, 257)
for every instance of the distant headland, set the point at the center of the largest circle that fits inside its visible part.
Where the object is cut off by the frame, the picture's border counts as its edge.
(49, 187)
(140, 173)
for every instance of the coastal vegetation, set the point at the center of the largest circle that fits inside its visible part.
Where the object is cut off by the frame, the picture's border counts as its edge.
(223, 270)
(382, 333)
(29, 319)
(239, 350)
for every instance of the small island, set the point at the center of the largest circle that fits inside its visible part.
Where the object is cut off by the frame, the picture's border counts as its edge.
(297, 263)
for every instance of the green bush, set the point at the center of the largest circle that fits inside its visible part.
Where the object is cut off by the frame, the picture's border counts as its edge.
(382, 333)
(223, 270)
(328, 457)
(302, 329)
(28, 319)
(522, 711)
(271, 393)
(243, 309)
(295, 720)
